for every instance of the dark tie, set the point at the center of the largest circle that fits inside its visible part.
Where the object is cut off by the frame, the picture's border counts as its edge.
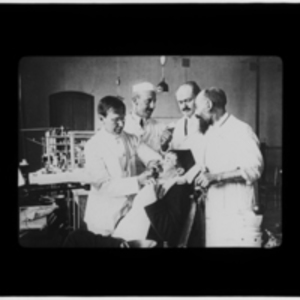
(142, 123)
(186, 127)
(160, 191)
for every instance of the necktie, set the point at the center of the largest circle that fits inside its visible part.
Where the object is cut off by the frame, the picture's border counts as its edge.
(186, 127)
(142, 123)
(160, 191)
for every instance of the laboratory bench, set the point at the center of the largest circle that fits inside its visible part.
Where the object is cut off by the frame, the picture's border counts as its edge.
(49, 211)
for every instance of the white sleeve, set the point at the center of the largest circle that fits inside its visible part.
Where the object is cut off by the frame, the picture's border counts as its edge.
(192, 173)
(249, 157)
(174, 141)
(146, 154)
(161, 127)
(145, 196)
(119, 187)
(99, 177)
(196, 143)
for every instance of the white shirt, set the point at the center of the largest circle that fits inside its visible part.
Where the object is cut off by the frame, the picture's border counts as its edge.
(195, 142)
(150, 133)
(179, 138)
(118, 146)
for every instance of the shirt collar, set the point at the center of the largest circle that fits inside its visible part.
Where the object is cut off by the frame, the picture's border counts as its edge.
(191, 119)
(168, 183)
(137, 118)
(220, 122)
(110, 136)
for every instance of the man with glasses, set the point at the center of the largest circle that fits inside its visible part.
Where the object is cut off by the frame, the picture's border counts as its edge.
(188, 125)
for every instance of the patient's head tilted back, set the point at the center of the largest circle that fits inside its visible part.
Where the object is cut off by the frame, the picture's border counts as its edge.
(177, 163)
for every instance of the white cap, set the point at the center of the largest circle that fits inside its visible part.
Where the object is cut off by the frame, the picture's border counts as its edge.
(143, 87)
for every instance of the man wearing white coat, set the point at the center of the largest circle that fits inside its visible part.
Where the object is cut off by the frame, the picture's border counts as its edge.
(233, 163)
(111, 156)
(188, 125)
(139, 121)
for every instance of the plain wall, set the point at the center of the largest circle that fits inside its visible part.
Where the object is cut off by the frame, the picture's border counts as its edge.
(271, 87)
(42, 76)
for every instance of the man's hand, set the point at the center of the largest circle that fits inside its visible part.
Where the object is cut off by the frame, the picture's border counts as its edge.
(153, 164)
(205, 179)
(151, 181)
(165, 139)
(155, 167)
(124, 244)
(145, 177)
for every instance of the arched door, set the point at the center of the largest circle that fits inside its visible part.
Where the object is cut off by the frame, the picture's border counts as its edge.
(72, 110)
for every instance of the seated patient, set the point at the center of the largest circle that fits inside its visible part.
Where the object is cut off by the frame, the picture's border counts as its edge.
(161, 208)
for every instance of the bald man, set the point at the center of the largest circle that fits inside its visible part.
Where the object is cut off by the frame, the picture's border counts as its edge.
(139, 121)
(233, 163)
(188, 125)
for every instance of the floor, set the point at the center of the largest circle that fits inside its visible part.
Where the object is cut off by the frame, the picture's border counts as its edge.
(55, 236)
(272, 221)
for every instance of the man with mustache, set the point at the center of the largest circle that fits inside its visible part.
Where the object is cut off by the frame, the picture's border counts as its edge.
(231, 163)
(139, 121)
(188, 125)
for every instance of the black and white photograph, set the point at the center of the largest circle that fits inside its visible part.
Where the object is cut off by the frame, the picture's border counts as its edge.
(158, 151)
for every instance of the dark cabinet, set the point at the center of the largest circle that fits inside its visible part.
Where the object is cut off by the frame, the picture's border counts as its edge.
(72, 110)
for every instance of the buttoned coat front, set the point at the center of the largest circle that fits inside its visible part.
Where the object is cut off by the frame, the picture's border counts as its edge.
(113, 179)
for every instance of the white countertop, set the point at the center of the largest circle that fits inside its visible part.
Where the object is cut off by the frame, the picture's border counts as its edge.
(78, 175)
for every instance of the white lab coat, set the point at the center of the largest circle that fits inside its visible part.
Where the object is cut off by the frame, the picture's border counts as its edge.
(179, 138)
(151, 132)
(113, 178)
(230, 220)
